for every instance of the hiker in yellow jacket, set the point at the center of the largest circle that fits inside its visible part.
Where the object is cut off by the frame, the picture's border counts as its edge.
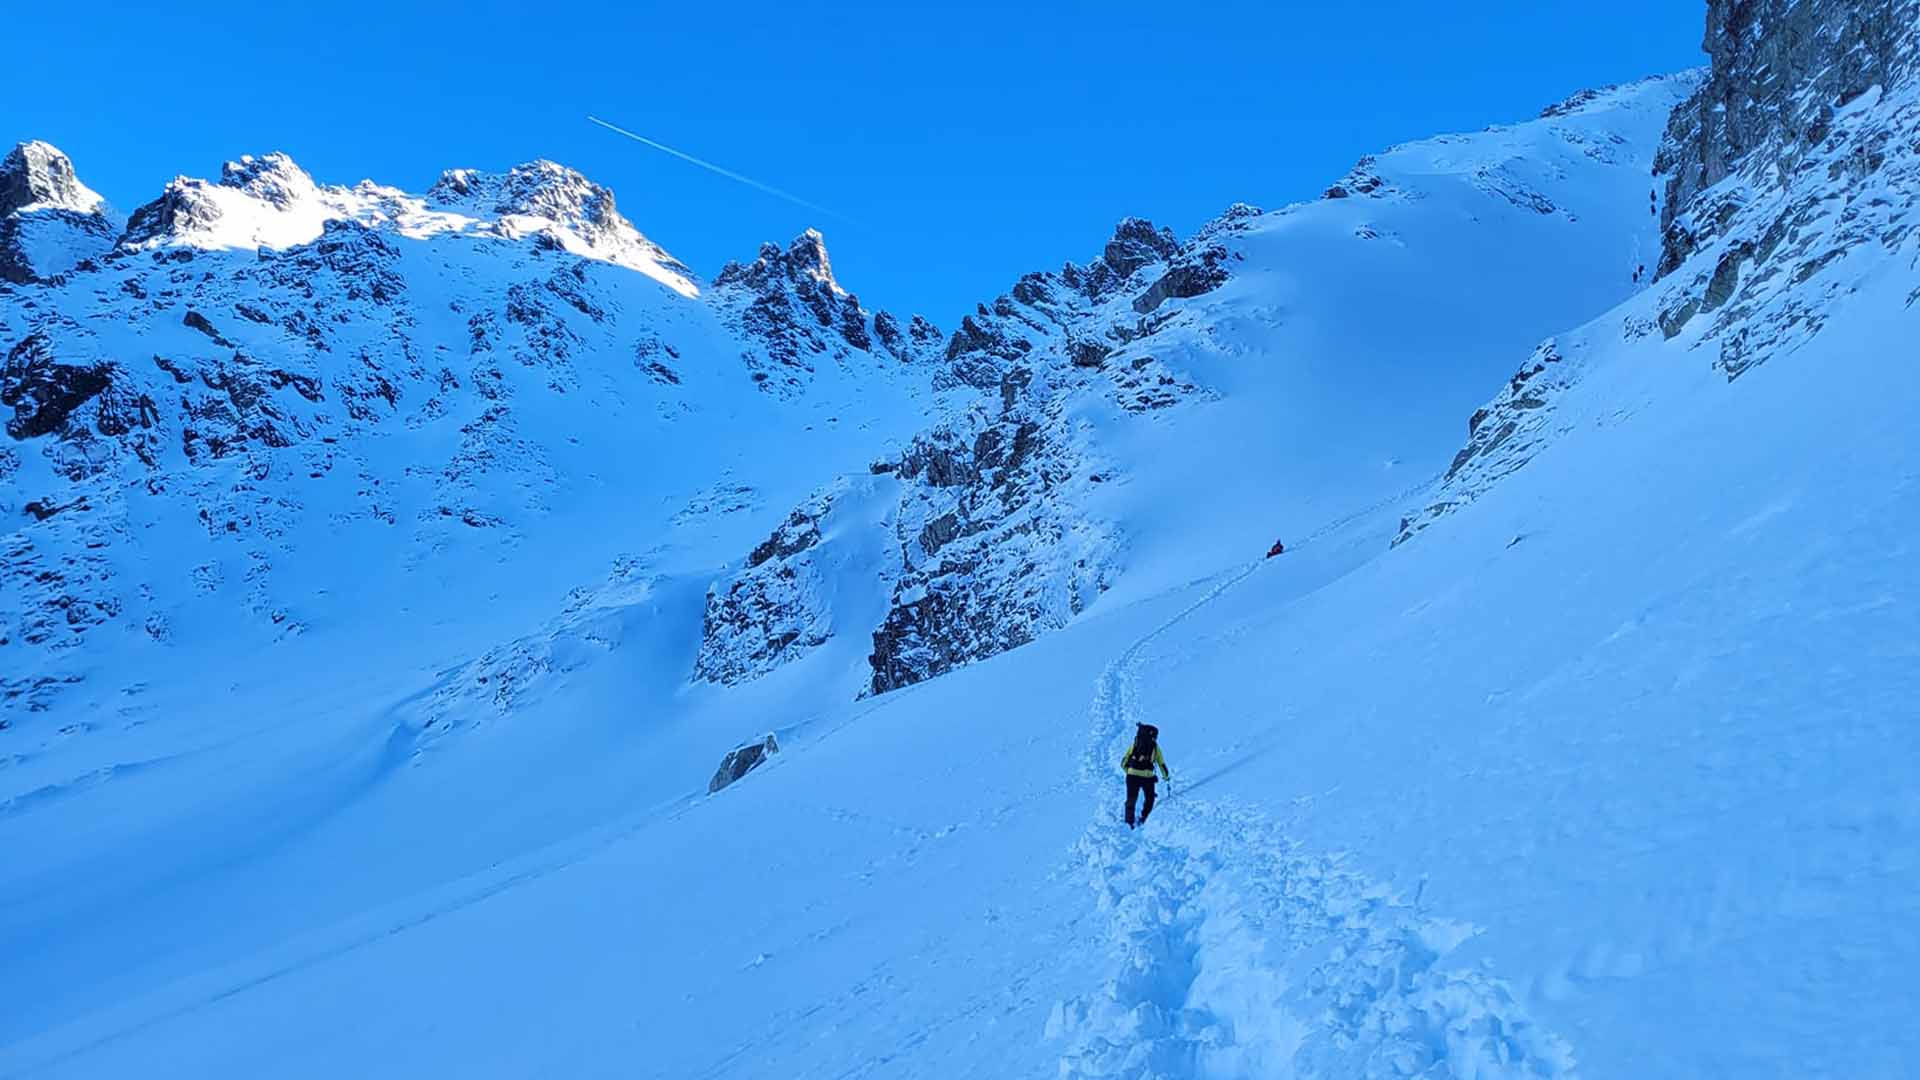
(1139, 762)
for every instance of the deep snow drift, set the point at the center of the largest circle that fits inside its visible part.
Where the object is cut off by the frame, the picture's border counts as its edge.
(1582, 748)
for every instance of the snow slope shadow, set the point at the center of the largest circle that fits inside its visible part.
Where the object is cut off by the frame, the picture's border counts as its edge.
(1238, 954)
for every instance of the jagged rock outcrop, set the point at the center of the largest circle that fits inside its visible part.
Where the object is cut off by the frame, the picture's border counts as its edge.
(245, 359)
(776, 608)
(789, 306)
(1200, 266)
(1504, 434)
(36, 174)
(50, 222)
(546, 199)
(993, 553)
(920, 342)
(1362, 181)
(1792, 173)
(742, 760)
(78, 401)
(1782, 71)
(1802, 146)
(992, 547)
(192, 209)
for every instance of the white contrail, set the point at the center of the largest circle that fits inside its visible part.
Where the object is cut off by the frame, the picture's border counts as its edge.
(728, 173)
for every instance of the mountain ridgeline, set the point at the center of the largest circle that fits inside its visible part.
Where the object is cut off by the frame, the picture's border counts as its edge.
(384, 574)
(211, 401)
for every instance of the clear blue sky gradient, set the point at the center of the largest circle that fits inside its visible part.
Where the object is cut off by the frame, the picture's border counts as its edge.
(967, 144)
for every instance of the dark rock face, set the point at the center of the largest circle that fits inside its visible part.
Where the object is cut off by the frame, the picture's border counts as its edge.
(992, 557)
(1800, 147)
(1781, 71)
(35, 173)
(229, 404)
(1136, 243)
(788, 304)
(273, 178)
(1502, 436)
(1136, 246)
(49, 221)
(994, 549)
(800, 532)
(920, 342)
(75, 400)
(775, 609)
(546, 191)
(43, 392)
(1575, 102)
(80, 236)
(742, 760)
(179, 208)
(1202, 265)
(1196, 275)
(1360, 182)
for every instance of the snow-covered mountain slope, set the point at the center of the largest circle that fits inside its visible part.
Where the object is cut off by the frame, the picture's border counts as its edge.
(1292, 370)
(275, 406)
(1602, 769)
(260, 502)
(1298, 365)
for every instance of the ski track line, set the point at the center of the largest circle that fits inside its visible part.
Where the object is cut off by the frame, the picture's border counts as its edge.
(1239, 955)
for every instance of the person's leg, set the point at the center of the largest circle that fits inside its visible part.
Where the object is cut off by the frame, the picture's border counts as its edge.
(1147, 785)
(1133, 792)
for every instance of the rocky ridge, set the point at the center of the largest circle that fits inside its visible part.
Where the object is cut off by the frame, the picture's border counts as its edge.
(790, 308)
(988, 545)
(234, 362)
(1791, 174)
(50, 222)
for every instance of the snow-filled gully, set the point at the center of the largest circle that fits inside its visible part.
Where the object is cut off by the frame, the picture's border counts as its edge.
(1237, 954)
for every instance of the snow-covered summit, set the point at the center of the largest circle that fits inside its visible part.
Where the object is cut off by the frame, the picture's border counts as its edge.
(1350, 319)
(50, 222)
(272, 178)
(788, 303)
(319, 676)
(35, 175)
(269, 201)
(546, 198)
(805, 259)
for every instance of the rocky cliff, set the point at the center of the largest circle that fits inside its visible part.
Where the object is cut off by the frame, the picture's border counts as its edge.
(1791, 175)
(792, 312)
(989, 544)
(50, 222)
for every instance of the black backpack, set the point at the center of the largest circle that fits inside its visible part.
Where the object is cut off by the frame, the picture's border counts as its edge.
(1141, 759)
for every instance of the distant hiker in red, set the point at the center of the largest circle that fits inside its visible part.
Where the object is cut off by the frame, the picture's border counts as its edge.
(1139, 762)
(1278, 548)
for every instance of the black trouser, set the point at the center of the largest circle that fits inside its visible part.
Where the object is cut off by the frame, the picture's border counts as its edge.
(1136, 785)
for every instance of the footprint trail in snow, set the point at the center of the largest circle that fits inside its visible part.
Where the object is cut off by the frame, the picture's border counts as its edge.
(1239, 955)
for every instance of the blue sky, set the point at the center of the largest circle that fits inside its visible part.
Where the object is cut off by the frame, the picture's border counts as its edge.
(967, 144)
